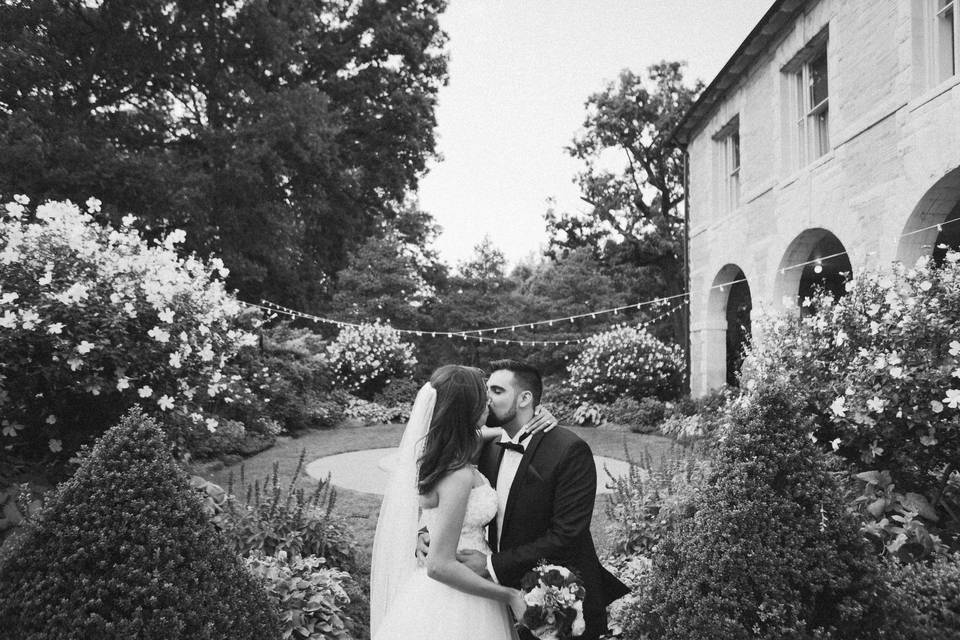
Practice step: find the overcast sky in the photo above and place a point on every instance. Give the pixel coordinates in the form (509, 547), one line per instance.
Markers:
(520, 72)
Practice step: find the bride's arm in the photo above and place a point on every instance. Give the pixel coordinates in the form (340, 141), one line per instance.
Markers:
(454, 492)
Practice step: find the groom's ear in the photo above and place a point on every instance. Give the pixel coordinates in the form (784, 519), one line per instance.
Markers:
(526, 398)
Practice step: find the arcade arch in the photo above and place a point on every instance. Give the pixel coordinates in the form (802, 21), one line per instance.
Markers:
(728, 308)
(814, 258)
(934, 224)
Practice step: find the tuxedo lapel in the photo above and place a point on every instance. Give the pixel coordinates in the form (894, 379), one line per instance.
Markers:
(520, 478)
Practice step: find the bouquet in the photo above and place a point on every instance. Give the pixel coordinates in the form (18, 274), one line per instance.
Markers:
(554, 597)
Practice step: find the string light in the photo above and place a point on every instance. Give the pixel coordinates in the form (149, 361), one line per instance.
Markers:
(684, 300)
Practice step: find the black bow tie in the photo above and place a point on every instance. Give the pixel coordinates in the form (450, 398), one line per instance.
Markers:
(511, 446)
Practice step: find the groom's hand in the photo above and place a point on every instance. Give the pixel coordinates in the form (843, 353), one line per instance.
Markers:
(475, 560)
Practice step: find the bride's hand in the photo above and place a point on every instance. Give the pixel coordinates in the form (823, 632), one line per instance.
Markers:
(518, 605)
(542, 420)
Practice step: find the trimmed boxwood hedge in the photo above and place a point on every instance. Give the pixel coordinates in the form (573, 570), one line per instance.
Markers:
(925, 599)
(124, 550)
(770, 552)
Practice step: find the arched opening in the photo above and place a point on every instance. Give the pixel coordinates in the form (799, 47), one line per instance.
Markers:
(815, 259)
(948, 236)
(739, 306)
(934, 224)
(727, 330)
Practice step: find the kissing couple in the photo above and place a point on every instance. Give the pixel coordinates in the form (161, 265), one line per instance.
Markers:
(486, 505)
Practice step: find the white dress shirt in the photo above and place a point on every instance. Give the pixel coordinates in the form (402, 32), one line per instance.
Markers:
(509, 465)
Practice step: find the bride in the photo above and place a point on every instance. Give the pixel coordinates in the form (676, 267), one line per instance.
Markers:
(434, 476)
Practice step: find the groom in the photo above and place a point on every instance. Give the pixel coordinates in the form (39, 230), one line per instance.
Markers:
(546, 486)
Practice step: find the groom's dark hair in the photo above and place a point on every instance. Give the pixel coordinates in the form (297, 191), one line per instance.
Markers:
(527, 376)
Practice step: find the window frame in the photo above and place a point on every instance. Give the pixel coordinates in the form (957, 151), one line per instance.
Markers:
(810, 122)
(731, 159)
(943, 50)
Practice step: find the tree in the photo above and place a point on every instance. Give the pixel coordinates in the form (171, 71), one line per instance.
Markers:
(391, 276)
(636, 221)
(477, 295)
(277, 133)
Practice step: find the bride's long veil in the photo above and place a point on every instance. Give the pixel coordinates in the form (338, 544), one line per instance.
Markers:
(394, 543)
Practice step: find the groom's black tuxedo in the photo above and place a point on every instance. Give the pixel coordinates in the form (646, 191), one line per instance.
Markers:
(547, 517)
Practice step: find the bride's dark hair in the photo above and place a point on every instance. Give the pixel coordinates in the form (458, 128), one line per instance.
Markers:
(452, 438)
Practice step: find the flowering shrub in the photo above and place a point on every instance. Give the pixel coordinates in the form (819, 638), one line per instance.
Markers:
(626, 361)
(881, 369)
(95, 319)
(307, 594)
(363, 358)
(291, 379)
(370, 413)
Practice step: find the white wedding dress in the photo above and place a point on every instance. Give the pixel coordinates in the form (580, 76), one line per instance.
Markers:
(425, 609)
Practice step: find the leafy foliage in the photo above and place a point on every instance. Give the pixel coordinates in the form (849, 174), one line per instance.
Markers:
(771, 551)
(924, 598)
(647, 504)
(308, 595)
(635, 223)
(250, 124)
(879, 367)
(94, 319)
(123, 549)
(626, 361)
(266, 517)
(389, 278)
(589, 414)
(291, 379)
(642, 416)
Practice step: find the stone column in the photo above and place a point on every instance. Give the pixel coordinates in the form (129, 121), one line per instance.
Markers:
(709, 356)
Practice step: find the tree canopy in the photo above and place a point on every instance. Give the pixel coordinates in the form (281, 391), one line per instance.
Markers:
(636, 220)
(277, 133)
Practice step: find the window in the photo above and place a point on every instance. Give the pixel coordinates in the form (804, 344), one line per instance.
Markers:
(731, 154)
(728, 141)
(806, 104)
(943, 39)
(813, 107)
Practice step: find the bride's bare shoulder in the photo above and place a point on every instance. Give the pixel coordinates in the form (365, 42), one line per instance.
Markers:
(455, 482)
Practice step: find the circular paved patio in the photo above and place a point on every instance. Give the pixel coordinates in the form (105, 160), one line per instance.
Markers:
(368, 470)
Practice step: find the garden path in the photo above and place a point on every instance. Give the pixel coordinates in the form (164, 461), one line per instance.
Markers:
(368, 470)
(362, 508)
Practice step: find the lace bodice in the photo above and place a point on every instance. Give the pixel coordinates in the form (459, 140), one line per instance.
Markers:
(481, 509)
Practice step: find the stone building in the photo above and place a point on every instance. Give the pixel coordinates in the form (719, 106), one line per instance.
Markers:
(827, 144)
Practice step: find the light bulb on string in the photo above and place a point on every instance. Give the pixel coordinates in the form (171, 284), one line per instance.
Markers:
(818, 267)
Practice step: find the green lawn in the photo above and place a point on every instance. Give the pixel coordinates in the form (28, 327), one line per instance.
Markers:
(363, 508)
